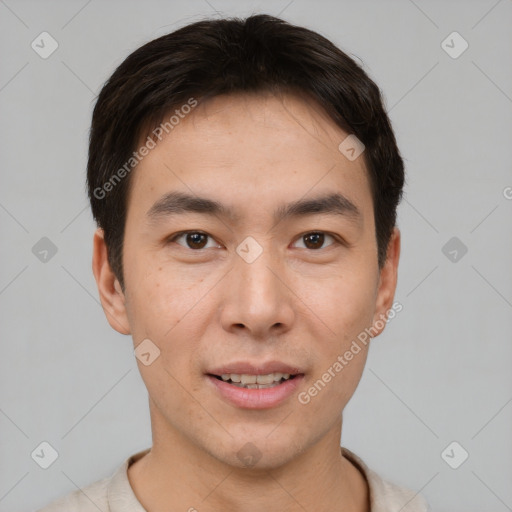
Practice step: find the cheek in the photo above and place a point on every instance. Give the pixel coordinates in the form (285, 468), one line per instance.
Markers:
(327, 393)
(343, 308)
(170, 311)
(160, 310)
(158, 299)
(344, 302)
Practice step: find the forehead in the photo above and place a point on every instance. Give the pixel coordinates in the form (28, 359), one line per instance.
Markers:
(254, 149)
(277, 120)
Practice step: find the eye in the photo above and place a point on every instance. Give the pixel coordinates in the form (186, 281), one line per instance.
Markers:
(315, 239)
(197, 240)
(194, 239)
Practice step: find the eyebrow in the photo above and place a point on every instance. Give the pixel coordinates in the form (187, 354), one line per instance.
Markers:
(176, 203)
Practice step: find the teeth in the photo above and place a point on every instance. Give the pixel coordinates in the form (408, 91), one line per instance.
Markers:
(255, 381)
(255, 386)
(248, 379)
(265, 379)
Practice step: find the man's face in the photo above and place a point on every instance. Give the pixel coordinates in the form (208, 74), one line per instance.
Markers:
(250, 287)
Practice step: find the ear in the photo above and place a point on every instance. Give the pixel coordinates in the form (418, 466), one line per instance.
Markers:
(112, 297)
(387, 284)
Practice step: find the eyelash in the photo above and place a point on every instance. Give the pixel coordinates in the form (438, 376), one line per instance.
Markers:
(336, 239)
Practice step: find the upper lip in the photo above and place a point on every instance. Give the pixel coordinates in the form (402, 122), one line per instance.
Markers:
(248, 368)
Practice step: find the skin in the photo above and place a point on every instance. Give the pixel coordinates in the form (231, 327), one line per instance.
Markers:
(206, 307)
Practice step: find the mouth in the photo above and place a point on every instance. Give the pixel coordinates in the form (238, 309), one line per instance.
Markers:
(248, 381)
(258, 385)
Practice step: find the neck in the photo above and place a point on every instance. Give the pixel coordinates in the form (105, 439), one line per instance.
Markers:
(178, 475)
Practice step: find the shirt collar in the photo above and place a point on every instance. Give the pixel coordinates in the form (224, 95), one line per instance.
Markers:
(120, 495)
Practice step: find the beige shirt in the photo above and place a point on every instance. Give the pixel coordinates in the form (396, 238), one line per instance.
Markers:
(114, 493)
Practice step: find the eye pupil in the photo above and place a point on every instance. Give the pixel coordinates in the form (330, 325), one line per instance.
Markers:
(194, 239)
(317, 239)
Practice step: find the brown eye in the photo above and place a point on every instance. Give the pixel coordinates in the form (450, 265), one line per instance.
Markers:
(196, 240)
(193, 239)
(314, 240)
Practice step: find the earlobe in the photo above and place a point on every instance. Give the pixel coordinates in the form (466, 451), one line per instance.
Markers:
(111, 296)
(387, 284)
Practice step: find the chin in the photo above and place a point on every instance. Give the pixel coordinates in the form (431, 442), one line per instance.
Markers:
(258, 451)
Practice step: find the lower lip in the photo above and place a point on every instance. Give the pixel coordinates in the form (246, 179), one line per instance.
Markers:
(256, 398)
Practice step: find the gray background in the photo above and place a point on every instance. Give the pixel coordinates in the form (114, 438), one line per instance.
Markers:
(441, 370)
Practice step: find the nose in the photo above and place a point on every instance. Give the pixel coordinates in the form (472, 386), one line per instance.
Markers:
(258, 298)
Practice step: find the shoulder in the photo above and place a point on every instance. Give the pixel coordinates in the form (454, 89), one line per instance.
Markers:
(389, 496)
(110, 494)
(89, 499)
(386, 496)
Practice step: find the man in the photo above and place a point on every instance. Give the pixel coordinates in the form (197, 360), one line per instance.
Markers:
(245, 177)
